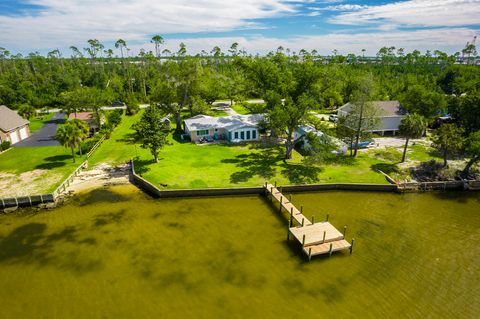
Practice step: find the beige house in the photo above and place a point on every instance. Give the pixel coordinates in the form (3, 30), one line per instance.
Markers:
(390, 113)
(13, 127)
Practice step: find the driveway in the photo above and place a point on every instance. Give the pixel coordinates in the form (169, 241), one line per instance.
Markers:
(44, 136)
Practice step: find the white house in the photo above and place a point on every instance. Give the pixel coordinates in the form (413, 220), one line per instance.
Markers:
(391, 114)
(13, 127)
(233, 128)
(303, 130)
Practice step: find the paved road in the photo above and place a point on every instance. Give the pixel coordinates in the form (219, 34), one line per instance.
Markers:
(44, 136)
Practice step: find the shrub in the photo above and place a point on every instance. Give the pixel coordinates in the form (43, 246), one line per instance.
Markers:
(114, 118)
(5, 145)
(132, 106)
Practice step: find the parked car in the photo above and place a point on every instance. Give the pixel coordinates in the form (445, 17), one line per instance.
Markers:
(118, 103)
(363, 144)
(333, 118)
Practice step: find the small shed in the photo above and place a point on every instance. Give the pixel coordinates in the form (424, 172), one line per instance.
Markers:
(13, 127)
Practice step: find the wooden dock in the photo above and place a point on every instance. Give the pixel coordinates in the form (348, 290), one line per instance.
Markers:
(316, 238)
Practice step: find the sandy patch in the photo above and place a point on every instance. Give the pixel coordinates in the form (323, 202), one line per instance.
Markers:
(99, 176)
(29, 183)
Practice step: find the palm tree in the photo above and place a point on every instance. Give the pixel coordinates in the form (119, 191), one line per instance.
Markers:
(412, 126)
(68, 135)
(84, 129)
(120, 44)
(157, 40)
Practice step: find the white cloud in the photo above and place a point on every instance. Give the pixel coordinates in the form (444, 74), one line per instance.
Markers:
(345, 7)
(416, 13)
(450, 40)
(65, 22)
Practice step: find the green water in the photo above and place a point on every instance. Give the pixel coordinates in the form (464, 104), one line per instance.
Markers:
(117, 253)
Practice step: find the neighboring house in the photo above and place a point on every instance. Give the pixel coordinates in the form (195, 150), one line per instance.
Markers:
(235, 128)
(391, 114)
(88, 117)
(13, 127)
(301, 136)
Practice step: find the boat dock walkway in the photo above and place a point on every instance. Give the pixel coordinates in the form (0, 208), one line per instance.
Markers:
(316, 238)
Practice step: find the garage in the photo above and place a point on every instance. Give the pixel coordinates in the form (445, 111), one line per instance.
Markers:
(23, 133)
(14, 137)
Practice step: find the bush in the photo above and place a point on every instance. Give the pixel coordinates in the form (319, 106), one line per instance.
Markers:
(5, 145)
(89, 143)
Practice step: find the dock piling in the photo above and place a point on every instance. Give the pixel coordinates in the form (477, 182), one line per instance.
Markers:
(301, 210)
(344, 231)
(303, 240)
(290, 223)
(288, 233)
(309, 253)
(351, 247)
(281, 200)
(303, 221)
(331, 250)
(324, 235)
(328, 216)
(313, 220)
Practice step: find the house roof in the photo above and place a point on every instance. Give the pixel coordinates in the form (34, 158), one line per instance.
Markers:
(10, 120)
(205, 122)
(84, 116)
(390, 108)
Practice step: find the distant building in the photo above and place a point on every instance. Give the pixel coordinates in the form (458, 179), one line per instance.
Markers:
(235, 128)
(13, 127)
(391, 114)
(87, 117)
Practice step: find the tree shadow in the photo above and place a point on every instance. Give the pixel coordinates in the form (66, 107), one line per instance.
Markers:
(30, 244)
(142, 166)
(50, 165)
(102, 195)
(301, 174)
(128, 138)
(262, 163)
(57, 158)
(387, 168)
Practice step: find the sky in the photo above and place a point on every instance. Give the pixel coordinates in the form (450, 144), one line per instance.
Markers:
(258, 26)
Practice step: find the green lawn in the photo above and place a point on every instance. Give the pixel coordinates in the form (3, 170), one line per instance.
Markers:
(240, 109)
(186, 165)
(37, 123)
(32, 170)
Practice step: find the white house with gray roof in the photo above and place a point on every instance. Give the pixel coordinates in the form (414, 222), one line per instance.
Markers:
(390, 113)
(234, 128)
(13, 127)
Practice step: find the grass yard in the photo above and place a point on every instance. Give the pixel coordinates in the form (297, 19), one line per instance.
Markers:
(37, 123)
(186, 165)
(240, 109)
(34, 170)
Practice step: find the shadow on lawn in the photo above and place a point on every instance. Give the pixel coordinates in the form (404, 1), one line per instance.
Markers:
(264, 164)
(54, 162)
(142, 166)
(387, 168)
(260, 163)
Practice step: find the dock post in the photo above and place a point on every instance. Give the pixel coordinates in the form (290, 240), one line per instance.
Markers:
(313, 220)
(288, 233)
(303, 221)
(309, 253)
(331, 250)
(290, 198)
(351, 246)
(344, 231)
(324, 234)
(303, 240)
(281, 199)
(290, 223)
(328, 216)
(301, 210)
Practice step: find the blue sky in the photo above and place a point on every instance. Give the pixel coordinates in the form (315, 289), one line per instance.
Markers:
(257, 25)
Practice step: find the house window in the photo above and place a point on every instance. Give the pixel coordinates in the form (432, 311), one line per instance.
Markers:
(248, 135)
(242, 135)
(202, 132)
(216, 130)
(254, 135)
(236, 134)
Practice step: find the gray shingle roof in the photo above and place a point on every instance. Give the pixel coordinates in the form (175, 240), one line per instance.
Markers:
(205, 122)
(390, 108)
(10, 120)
